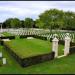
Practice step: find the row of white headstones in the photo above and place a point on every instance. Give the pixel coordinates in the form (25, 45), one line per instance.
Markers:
(66, 47)
(28, 32)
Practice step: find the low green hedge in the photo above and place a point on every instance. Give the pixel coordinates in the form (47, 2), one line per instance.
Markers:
(40, 37)
(35, 36)
(72, 44)
(24, 62)
(1, 42)
(61, 42)
(25, 36)
(12, 53)
(37, 59)
(7, 37)
(72, 50)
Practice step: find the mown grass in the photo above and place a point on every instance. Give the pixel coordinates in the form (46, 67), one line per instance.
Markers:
(65, 65)
(31, 47)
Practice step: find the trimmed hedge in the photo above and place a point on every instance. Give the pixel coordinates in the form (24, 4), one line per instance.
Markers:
(15, 56)
(72, 44)
(40, 37)
(1, 42)
(72, 50)
(51, 39)
(7, 37)
(37, 59)
(35, 36)
(25, 36)
(30, 60)
(61, 42)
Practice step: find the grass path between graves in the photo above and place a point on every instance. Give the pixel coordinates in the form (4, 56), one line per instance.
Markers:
(63, 65)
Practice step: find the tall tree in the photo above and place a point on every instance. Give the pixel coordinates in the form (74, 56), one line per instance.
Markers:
(51, 19)
(56, 19)
(22, 24)
(28, 22)
(12, 23)
(7, 23)
(15, 23)
(69, 20)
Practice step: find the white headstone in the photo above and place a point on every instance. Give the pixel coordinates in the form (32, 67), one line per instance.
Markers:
(30, 38)
(6, 40)
(67, 34)
(4, 60)
(55, 46)
(55, 35)
(0, 54)
(73, 38)
(67, 45)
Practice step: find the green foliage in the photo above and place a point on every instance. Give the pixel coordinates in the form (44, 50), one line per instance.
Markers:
(56, 19)
(8, 22)
(22, 24)
(28, 22)
(12, 23)
(69, 20)
(39, 23)
(15, 23)
(50, 18)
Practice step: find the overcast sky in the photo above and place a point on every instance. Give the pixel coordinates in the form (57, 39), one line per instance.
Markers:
(22, 9)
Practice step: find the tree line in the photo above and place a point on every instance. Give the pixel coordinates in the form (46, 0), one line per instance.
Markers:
(51, 19)
(16, 23)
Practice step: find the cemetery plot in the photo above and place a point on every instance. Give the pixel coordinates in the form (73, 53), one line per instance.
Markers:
(26, 48)
(30, 51)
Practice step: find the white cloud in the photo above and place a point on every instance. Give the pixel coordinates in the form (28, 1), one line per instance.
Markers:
(24, 9)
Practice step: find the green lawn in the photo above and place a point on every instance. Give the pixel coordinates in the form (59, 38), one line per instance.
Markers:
(31, 47)
(57, 66)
